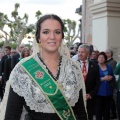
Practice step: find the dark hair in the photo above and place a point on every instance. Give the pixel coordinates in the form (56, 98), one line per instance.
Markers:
(8, 47)
(42, 19)
(103, 53)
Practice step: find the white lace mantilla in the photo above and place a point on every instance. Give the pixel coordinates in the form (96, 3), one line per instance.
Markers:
(70, 77)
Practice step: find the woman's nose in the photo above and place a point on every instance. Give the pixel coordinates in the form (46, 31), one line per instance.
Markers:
(52, 35)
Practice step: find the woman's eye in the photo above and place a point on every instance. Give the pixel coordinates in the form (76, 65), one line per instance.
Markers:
(58, 32)
(45, 32)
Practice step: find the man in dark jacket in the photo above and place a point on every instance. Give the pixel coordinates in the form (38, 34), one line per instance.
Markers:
(6, 56)
(91, 78)
(15, 58)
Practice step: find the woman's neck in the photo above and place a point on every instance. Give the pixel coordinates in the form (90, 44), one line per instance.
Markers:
(102, 66)
(50, 56)
(51, 60)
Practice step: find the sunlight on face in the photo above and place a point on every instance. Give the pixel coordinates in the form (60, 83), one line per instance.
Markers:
(50, 35)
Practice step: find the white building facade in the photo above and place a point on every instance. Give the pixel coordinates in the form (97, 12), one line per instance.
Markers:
(101, 24)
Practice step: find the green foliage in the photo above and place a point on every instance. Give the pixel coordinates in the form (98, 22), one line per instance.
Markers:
(71, 32)
(13, 45)
(19, 27)
(17, 5)
(1, 44)
(14, 13)
(37, 14)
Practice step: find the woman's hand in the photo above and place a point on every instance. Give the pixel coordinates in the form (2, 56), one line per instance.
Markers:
(106, 78)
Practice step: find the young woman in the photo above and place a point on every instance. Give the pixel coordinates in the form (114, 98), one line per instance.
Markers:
(49, 85)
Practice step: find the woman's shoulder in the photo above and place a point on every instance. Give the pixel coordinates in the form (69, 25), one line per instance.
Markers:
(71, 61)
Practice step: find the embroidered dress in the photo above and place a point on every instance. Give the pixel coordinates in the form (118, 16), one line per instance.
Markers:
(69, 77)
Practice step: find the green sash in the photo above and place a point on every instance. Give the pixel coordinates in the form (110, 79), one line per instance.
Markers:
(49, 88)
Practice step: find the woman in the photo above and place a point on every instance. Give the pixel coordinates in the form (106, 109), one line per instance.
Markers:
(105, 91)
(24, 53)
(117, 72)
(48, 84)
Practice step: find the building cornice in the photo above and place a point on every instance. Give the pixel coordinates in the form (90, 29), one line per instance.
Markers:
(109, 8)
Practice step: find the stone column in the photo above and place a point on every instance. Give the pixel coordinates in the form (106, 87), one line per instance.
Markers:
(106, 25)
(86, 22)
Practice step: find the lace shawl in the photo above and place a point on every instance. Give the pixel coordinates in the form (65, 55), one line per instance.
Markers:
(70, 77)
(24, 86)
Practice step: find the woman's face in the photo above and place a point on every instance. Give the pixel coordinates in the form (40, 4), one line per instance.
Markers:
(101, 59)
(26, 53)
(50, 35)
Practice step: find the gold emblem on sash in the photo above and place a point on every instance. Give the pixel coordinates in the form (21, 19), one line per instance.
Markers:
(50, 87)
(66, 114)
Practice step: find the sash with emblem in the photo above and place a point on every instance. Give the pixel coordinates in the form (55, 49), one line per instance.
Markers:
(50, 89)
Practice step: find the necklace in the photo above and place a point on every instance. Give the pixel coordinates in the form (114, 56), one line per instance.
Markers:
(54, 65)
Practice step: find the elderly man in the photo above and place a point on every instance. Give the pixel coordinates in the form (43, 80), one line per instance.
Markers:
(113, 63)
(91, 76)
(110, 59)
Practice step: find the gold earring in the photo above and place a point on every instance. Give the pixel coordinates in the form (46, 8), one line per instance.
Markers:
(39, 44)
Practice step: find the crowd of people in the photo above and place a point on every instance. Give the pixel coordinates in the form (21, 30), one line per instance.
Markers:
(51, 82)
(107, 96)
(8, 59)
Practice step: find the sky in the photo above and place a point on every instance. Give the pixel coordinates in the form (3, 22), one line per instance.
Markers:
(63, 8)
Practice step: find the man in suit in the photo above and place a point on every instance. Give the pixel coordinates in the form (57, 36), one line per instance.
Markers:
(7, 65)
(6, 56)
(91, 78)
(15, 58)
(113, 63)
(1, 90)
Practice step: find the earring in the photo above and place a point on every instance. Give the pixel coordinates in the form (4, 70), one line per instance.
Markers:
(39, 44)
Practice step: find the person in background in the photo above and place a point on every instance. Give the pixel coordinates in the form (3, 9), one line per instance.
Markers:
(75, 57)
(15, 58)
(46, 78)
(91, 77)
(1, 89)
(105, 92)
(7, 66)
(117, 72)
(24, 53)
(110, 59)
(113, 63)
(6, 56)
(93, 57)
(1, 54)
